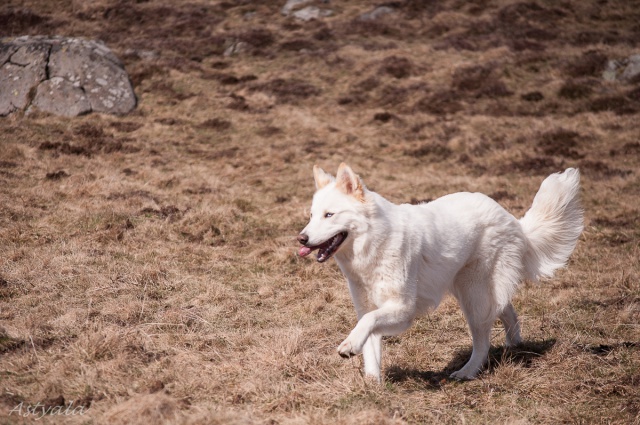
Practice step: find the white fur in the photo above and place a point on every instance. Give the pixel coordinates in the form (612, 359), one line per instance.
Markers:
(401, 260)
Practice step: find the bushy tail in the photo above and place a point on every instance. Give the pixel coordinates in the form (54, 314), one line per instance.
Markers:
(553, 224)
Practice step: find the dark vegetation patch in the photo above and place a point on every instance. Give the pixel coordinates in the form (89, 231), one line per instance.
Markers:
(372, 28)
(298, 44)
(259, 38)
(289, 90)
(367, 84)
(537, 165)
(141, 71)
(169, 211)
(22, 21)
(314, 146)
(528, 25)
(323, 34)
(125, 126)
(534, 26)
(222, 78)
(480, 35)
(89, 131)
(4, 293)
(132, 194)
(183, 31)
(534, 96)
(634, 94)
(349, 100)
(89, 140)
(599, 169)
(231, 152)
(416, 201)
(9, 344)
(617, 230)
(397, 67)
(432, 150)
(216, 124)
(391, 95)
(585, 38)
(170, 121)
(8, 164)
(439, 103)
(577, 89)
(479, 81)
(523, 26)
(624, 221)
(219, 65)
(168, 90)
(560, 142)
(360, 92)
(269, 131)
(501, 195)
(202, 190)
(619, 104)
(57, 175)
(589, 64)
(418, 8)
(631, 148)
(384, 117)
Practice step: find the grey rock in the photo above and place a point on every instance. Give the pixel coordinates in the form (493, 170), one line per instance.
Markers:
(6, 50)
(30, 54)
(23, 71)
(311, 12)
(236, 47)
(60, 97)
(94, 68)
(142, 54)
(610, 72)
(376, 13)
(623, 70)
(84, 76)
(293, 4)
(632, 70)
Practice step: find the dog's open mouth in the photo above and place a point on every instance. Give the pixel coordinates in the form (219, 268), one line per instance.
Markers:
(325, 249)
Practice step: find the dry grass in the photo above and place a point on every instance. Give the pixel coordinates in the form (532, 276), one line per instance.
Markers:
(147, 263)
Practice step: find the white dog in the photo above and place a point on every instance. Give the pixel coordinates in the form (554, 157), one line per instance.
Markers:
(400, 260)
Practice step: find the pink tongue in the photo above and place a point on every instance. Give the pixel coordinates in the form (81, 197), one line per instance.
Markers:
(304, 251)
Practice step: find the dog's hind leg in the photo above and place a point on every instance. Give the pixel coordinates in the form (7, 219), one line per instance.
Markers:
(511, 324)
(372, 353)
(481, 333)
(478, 308)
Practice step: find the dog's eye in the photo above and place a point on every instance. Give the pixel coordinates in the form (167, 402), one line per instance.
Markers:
(327, 215)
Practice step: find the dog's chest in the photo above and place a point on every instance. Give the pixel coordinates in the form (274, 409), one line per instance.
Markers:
(373, 284)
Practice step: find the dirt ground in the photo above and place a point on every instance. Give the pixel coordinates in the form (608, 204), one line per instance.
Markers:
(148, 268)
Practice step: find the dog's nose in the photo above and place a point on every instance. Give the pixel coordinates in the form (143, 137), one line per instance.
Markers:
(303, 239)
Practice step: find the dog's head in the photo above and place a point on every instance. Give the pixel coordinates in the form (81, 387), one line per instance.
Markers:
(336, 212)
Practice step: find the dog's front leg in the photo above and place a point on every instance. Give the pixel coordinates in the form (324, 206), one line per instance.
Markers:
(372, 353)
(390, 319)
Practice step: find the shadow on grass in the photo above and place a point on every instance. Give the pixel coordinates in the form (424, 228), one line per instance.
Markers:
(524, 355)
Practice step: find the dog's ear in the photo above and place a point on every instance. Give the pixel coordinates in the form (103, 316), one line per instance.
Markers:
(349, 182)
(321, 177)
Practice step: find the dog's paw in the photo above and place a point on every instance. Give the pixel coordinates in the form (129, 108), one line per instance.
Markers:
(347, 350)
(462, 375)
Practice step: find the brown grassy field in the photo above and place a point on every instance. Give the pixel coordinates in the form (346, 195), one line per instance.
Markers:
(147, 262)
